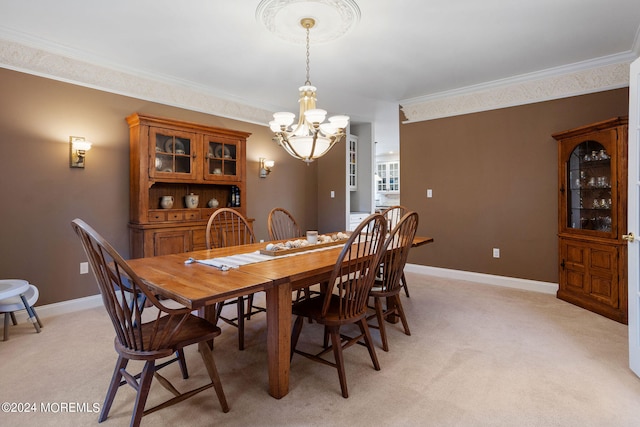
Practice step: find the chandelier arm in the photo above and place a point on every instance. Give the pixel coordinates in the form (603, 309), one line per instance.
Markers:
(313, 144)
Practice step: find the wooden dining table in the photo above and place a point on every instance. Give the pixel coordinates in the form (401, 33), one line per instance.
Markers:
(200, 286)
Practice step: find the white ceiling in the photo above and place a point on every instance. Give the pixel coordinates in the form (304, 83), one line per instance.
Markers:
(399, 50)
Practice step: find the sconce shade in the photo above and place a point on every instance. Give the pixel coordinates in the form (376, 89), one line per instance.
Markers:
(78, 147)
(265, 167)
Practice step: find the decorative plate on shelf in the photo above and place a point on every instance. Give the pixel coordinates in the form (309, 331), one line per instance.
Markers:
(171, 147)
(218, 152)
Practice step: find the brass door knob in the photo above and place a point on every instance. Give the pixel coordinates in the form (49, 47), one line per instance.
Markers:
(629, 237)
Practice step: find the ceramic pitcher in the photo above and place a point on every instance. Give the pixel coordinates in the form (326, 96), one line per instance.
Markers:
(166, 202)
(191, 200)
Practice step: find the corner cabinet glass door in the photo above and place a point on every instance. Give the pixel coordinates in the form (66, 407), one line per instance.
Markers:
(172, 154)
(223, 160)
(590, 203)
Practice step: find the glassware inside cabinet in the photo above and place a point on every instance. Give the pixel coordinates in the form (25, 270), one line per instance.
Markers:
(589, 187)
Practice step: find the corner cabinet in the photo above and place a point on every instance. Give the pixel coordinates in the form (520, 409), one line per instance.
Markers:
(592, 203)
(180, 173)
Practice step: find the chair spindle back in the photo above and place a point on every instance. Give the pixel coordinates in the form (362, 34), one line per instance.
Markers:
(226, 227)
(356, 268)
(282, 225)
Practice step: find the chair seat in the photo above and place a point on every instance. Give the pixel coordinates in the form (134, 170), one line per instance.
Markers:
(193, 330)
(312, 308)
(15, 303)
(382, 292)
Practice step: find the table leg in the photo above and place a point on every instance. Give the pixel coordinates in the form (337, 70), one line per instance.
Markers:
(279, 338)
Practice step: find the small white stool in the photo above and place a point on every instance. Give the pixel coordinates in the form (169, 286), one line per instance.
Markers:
(16, 295)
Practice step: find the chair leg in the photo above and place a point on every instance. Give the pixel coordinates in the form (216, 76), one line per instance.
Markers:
(249, 306)
(113, 388)
(325, 342)
(295, 334)
(336, 342)
(143, 392)
(218, 311)
(241, 323)
(183, 363)
(6, 327)
(403, 318)
(364, 328)
(13, 318)
(404, 285)
(209, 363)
(381, 327)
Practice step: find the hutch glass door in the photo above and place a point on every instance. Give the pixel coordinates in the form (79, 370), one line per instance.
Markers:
(589, 200)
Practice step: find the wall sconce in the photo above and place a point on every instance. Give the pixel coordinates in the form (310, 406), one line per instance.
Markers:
(265, 167)
(77, 151)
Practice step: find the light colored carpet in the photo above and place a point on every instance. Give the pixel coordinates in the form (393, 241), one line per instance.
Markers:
(478, 356)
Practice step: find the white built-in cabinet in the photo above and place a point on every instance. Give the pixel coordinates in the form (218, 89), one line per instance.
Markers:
(352, 162)
(389, 177)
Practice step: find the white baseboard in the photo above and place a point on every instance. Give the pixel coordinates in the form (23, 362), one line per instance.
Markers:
(78, 304)
(63, 307)
(488, 279)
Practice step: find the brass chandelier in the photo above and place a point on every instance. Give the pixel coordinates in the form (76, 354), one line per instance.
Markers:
(309, 138)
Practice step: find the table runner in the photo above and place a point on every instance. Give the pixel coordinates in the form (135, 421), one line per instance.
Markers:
(235, 261)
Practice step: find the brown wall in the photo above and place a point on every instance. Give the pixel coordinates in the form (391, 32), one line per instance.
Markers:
(40, 194)
(494, 181)
(493, 175)
(332, 172)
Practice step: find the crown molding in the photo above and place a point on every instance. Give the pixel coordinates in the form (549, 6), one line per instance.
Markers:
(64, 67)
(576, 79)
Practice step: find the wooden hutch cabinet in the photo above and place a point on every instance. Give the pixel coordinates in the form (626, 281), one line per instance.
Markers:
(592, 203)
(173, 160)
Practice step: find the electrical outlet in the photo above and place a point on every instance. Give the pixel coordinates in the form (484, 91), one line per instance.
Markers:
(496, 252)
(333, 194)
(429, 193)
(84, 267)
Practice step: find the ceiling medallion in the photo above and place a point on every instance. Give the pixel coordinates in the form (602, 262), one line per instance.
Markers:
(333, 18)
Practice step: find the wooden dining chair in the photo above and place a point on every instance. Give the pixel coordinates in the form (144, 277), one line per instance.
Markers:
(282, 225)
(389, 284)
(393, 215)
(227, 227)
(344, 299)
(168, 332)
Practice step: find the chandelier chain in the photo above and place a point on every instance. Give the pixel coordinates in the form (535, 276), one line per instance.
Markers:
(308, 82)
